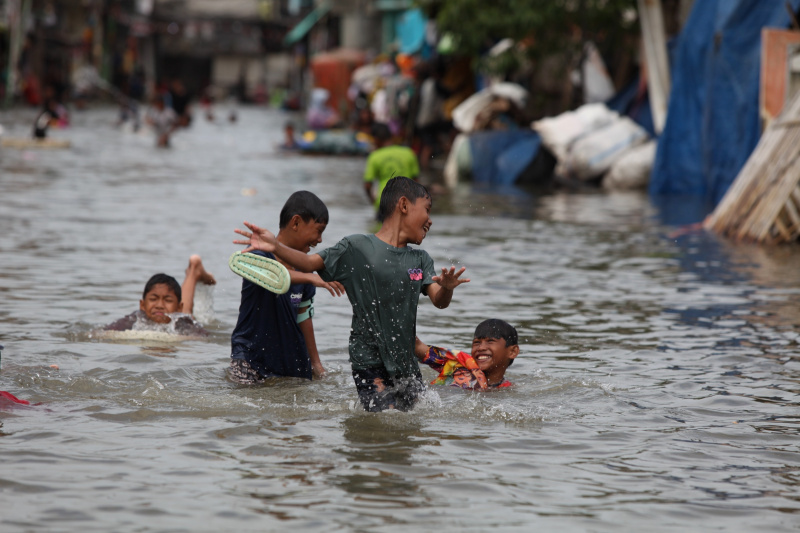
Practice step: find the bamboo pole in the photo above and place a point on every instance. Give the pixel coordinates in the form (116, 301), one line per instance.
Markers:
(651, 19)
(14, 10)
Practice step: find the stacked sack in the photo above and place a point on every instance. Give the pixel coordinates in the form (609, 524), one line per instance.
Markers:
(593, 142)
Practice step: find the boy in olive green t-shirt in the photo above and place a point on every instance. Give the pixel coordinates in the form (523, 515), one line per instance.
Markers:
(383, 279)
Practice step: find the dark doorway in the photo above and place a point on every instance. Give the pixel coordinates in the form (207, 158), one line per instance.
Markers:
(194, 72)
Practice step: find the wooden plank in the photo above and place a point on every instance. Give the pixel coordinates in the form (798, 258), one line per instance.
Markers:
(783, 234)
(772, 93)
(786, 123)
(744, 191)
(774, 199)
(22, 142)
(796, 195)
(763, 203)
(792, 213)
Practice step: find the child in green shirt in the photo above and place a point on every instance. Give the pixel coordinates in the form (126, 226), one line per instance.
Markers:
(386, 162)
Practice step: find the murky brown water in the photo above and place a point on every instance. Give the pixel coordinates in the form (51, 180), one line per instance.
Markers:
(657, 388)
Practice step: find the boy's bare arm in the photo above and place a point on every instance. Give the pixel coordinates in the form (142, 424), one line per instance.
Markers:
(195, 273)
(310, 278)
(263, 239)
(368, 190)
(307, 328)
(420, 349)
(441, 291)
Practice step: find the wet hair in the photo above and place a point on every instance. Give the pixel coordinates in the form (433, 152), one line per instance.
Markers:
(494, 328)
(307, 205)
(381, 132)
(397, 188)
(169, 281)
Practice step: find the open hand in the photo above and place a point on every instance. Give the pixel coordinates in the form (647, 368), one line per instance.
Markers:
(333, 287)
(256, 239)
(450, 278)
(318, 371)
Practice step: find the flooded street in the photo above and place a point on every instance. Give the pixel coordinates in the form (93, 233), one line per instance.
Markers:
(656, 388)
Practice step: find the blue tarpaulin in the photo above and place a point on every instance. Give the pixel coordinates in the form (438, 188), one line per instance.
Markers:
(499, 157)
(635, 105)
(713, 121)
(411, 31)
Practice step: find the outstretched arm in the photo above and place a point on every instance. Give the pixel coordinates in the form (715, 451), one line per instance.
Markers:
(441, 290)
(333, 287)
(420, 349)
(195, 273)
(262, 239)
(433, 356)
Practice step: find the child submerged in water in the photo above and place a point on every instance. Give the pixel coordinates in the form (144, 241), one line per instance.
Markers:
(163, 120)
(383, 278)
(52, 114)
(164, 302)
(495, 345)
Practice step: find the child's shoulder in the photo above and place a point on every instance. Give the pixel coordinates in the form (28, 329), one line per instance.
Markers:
(186, 325)
(345, 245)
(125, 323)
(420, 253)
(357, 239)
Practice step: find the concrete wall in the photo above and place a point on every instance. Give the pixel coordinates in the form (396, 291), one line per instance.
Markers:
(360, 30)
(240, 9)
(273, 70)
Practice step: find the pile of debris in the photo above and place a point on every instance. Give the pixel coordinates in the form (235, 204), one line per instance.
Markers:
(763, 203)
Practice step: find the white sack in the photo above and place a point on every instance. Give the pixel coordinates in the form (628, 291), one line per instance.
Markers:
(459, 161)
(515, 93)
(597, 84)
(632, 169)
(592, 155)
(559, 132)
(466, 112)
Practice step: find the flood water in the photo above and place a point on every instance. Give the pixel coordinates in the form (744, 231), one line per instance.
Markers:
(656, 390)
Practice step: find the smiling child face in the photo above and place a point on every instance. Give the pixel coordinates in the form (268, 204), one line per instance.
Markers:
(302, 235)
(160, 301)
(309, 234)
(419, 219)
(493, 356)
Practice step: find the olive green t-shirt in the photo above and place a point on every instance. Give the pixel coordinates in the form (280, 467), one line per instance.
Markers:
(388, 162)
(383, 284)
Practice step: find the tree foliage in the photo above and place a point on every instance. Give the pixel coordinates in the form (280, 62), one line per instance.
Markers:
(546, 25)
